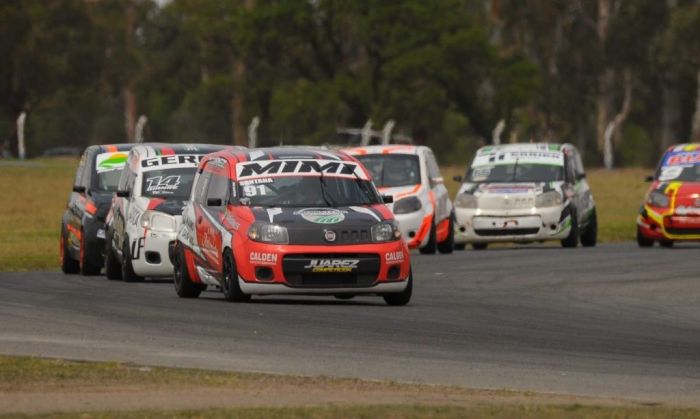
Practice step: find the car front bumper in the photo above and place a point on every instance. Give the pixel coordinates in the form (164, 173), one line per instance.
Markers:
(473, 225)
(668, 226)
(152, 256)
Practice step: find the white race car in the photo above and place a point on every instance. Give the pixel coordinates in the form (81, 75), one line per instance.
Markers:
(421, 203)
(525, 193)
(147, 208)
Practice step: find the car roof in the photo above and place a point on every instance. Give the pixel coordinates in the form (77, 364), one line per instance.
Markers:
(684, 147)
(111, 148)
(524, 147)
(283, 153)
(385, 149)
(146, 150)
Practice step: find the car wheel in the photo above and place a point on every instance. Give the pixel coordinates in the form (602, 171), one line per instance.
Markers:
(448, 245)
(88, 255)
(460, 246)
(429, 248)
(642, 240)
(229, 280)
(113, 269)
(479, 246)
(184, 286)
(590, 236)
(401, 298)
(68, 264)
(572, 239)
(666, 243)
(128, 274)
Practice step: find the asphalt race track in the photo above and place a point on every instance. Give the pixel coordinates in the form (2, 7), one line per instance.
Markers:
(614, 320)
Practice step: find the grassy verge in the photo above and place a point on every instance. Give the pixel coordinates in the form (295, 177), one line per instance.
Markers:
(60, 388)
(34, 198)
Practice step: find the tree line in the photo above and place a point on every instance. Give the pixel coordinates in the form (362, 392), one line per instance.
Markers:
(615, 75)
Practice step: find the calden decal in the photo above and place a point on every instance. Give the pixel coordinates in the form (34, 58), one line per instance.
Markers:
(332, 265)
(321, 215)
(262, 258)
(394, 256)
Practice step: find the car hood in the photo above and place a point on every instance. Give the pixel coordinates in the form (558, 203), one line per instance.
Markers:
(315, 225)
(509, 195)
(686, 196)
(170, 206)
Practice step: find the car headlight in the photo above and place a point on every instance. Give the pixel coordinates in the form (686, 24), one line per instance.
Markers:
(385, 232)
(158, 221)
(265, 232)
(548, 199)
(658, 199)
(407, 205)
(466, 200)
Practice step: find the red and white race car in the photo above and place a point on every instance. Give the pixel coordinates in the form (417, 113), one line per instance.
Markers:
(671, 209)
(421, 202)
(289, 221)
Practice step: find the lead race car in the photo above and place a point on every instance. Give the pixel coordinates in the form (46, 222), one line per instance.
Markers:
(525, 193)
(671, 210)
(422, 205)
(289, 221)
(146, 211)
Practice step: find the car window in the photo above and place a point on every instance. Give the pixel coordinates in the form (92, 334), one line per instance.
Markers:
(390, 170)
(81, 167)
(200, 189)
(108, 169)
(433, 170)
(173, 183)
(218, 188)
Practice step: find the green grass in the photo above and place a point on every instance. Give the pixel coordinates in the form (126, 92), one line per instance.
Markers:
(35, 194)
(50, 380)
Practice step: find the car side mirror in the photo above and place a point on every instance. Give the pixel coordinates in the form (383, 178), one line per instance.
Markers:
(214, 202)
(649, 178)
(79, 189)
(123, 194)
(388, 199)
(580, 176)
(457, 178)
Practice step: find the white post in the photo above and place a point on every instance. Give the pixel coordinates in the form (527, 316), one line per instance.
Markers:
(21, 152)
(253, 132)
(140, 125)
(496, 135)
(386, 132)
(366, 133)
(608, 147)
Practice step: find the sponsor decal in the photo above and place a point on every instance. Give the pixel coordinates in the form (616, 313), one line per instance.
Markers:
(683, 210)
(110, 161)
(333, 265)
(270, 168)
(256, 181)
(162, 183)
(262, 258)
(329, 235)
(321, 215)
(134, 217)
(136, 246)
(394, 256)
(683, 157)
(182, 160)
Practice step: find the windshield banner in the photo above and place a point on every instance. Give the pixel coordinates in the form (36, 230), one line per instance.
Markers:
(555, 158)
(106, 162)
(682, 158)
(306, 167)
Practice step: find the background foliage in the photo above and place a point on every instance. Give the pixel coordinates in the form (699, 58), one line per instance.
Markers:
(446, 70)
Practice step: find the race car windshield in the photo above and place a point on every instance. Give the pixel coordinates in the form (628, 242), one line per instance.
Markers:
(391, 170)
(173, 183)
(107, 181)
(516, 172)
(681, 173)
(308, 191)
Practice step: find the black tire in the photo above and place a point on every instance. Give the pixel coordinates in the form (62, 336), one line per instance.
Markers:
(480, 246)
(448, 245)
(401, 298)
(666, 243)
(642, 241)
(89, 258)
(431, 246)
(460, 246)
(589, 238)
(113, 269)
(128, 274)
(571, 240)
(229, 280)
(68, 264)
(184, 286)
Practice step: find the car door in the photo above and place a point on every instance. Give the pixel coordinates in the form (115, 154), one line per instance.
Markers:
(437, 185)
(76, 204)
(202, 224)
(121, 206)
(573, 185)
(217, 198)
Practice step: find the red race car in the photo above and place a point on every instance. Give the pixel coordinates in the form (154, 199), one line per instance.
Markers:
(671, 210)
(289, 221)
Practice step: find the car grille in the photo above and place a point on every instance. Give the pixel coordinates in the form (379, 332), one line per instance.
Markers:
(342, 236)
(299, 275)
(683, 231)
(508, 232)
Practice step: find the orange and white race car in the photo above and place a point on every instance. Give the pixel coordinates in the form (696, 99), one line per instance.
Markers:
(421, 202)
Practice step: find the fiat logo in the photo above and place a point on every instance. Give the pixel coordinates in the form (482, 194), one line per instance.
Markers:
(329, 235)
